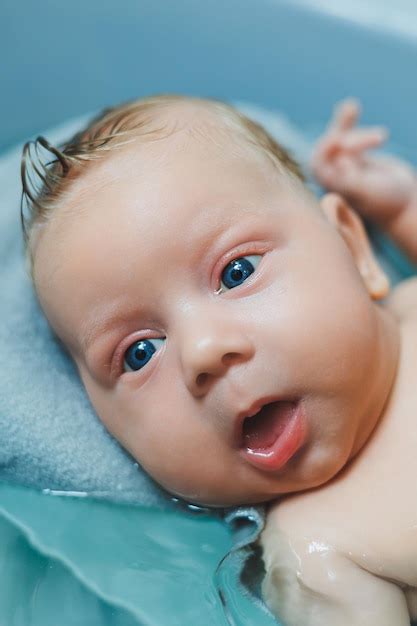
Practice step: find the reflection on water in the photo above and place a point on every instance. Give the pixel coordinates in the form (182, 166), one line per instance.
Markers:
(77, 560)
(37, 590)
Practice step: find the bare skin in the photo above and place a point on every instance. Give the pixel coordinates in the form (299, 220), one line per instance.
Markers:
(146, 237)
(346, 554)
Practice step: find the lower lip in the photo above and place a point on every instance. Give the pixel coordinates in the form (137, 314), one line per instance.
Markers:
(284, 447)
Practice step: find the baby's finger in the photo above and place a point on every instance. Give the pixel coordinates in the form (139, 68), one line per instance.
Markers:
(362, 139)
(345, 114)
(329, 145)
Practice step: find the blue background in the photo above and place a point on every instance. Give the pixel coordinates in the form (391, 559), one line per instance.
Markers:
(62, 59)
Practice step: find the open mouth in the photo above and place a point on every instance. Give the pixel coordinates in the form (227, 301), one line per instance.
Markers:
(273, 435)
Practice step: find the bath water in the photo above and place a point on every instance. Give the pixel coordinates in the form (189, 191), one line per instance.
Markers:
(78, 561)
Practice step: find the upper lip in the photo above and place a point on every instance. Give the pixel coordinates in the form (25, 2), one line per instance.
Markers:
(251, 410)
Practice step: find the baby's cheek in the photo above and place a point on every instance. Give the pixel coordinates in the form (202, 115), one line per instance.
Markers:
(176, 446)
(323, 342)
(112, 407)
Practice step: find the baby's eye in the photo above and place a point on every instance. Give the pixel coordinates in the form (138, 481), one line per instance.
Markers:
(238, 270)
(140, 353)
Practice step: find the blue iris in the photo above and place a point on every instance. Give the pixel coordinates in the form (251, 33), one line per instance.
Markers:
(238, 270)
(140, 353)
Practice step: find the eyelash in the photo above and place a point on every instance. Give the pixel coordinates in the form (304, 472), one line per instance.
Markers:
(255, 248)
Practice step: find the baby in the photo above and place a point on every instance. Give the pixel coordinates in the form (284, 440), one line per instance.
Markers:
(226, 326)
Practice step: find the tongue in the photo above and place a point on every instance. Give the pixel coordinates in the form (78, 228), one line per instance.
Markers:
(264, 428)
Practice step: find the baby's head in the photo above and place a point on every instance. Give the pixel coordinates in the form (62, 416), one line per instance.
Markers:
(222, 319)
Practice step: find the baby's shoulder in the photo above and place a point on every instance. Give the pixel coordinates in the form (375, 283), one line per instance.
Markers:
(315, 582)
(402, 301)
(305, 516)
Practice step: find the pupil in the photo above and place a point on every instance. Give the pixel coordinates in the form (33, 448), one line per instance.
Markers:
(140, 354)
(237, 274)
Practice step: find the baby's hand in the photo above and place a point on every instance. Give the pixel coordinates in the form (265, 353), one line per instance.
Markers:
(378, 187)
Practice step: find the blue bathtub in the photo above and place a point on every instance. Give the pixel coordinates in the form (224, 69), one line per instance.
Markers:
(59, 60)
(62, 59)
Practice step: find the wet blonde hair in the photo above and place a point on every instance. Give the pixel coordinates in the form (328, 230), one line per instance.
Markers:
(45, 183)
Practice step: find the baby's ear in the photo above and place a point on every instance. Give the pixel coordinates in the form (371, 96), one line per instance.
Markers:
(349, 225)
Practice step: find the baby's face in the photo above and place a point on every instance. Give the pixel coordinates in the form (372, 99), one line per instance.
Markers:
(193, 286)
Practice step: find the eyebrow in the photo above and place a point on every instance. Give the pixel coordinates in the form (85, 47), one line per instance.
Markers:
(102, 325)
(89, 336)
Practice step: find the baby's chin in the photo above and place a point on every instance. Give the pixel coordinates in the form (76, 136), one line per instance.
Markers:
(242, 496)
(228, 498)
(309, 468)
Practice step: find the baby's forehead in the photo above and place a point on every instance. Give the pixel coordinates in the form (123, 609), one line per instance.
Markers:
(202, 119)
(168, 196)
(173, 125)
(181, 137)
(190, 160)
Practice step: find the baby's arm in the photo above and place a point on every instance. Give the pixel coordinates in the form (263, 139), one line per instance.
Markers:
(380, 188)
(310, 584)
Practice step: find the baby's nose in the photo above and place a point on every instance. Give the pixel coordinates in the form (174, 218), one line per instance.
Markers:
(209, 352)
